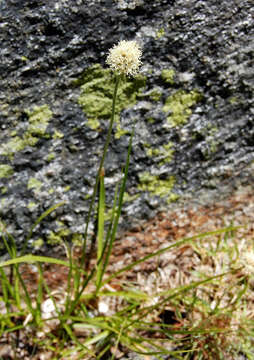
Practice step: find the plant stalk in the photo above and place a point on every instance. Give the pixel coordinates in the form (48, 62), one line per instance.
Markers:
(95, 190)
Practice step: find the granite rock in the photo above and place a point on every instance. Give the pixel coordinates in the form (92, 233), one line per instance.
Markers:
(192, 105)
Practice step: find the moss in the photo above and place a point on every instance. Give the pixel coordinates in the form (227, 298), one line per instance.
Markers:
(97, 85)
(6, 171)
(179, 104)
(164, 153)
(158, 187)
(168, 75)
(35, 184)
(38, 122)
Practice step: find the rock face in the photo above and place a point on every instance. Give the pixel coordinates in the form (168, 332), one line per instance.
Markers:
(192, 105)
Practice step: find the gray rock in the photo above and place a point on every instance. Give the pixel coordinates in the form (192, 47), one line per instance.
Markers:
(194, 112)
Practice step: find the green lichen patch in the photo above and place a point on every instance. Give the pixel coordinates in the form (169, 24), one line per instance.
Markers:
(24, 58)
(163, 154)
(3, 190)
(3, 202)
(38, 121)
(179, 105)
(150, 120)
(155, 94)
(158, 187)
(31, 205)
(51, 157)
(6, 171)
(160, 33)
(120, 132)
(56, 238)
(38, 118)
(97, 86)
(129, 198)
(34, 184)
(211, 129)
(58, 135)
(59, 236)
(168, 75)
(233, 100)
(14, 145)
(37, 244)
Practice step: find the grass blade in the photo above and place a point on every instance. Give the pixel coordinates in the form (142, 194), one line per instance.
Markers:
(40, 218)
(34, 259)
(161, 251)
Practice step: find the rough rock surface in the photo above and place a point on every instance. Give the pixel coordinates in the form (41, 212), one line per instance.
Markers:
(193, 103)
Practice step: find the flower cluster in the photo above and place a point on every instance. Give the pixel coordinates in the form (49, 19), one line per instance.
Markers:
(124, 58)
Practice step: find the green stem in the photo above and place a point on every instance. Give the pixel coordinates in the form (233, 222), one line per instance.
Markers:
(99, 171)
(100, 233)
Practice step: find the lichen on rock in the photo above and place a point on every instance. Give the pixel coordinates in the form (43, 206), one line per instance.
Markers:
(97, 86)
(34, 184)
(168, 75)
(179, 106)
(6, 171)
(158, 187)
(163, 154)
(38, 120)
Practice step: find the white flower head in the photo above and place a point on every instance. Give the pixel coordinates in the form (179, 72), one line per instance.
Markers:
(124, 58)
